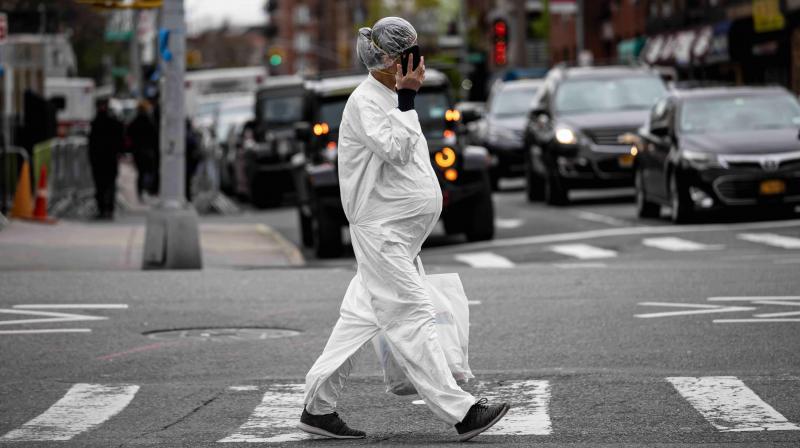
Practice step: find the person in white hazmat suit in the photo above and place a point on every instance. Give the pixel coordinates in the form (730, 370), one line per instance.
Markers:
(392, 199)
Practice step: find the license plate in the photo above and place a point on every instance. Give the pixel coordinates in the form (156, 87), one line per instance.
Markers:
(626, 161)
(771, 187)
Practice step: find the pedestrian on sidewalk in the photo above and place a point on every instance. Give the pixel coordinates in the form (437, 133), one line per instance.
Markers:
(106, 143)
(143, 135)
(392, 199)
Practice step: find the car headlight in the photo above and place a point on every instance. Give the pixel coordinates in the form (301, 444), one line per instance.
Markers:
(700, 159)
(566, 136)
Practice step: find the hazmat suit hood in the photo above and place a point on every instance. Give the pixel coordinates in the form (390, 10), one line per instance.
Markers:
(380, 45)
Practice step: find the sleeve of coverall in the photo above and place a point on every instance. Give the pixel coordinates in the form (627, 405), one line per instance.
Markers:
(391, 136)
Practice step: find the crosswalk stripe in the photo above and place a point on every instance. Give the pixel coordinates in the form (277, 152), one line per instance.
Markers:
(729, 405)
(675, 244)
(529, 413)
(83, 407)
(508, 223)
(275, 419)
(484, 260)
(771, 239)
(583, 251)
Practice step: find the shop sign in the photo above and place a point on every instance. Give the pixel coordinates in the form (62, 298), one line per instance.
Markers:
(767, 16)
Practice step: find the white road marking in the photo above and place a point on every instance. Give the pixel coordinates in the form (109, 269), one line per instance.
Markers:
(675, 244)
(782, 314)
(697, 308)
(622, 231)
(583, 251)
(749, 321)
(52, 317)
(753, 298)
(83, 407)
(418, 402)
(508, 223)
(771, 239)
(74, 306)
(484, 260)
(597, 217)
(729, 405)
(48, 330)
(243, 388)
(473, 302)
(275, 419)
(580, 265)
(529, 414)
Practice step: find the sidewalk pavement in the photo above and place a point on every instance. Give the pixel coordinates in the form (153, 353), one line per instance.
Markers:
(74, 245)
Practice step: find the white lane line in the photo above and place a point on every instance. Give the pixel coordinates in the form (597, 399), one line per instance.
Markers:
(83, 407)
(781, 314)
(729, 405)
(622, 231)
(275, 419)
(484, 260)
(418, 402)
(243, 388)
(529, 413)
(473, 302)
(753, 298)
(508, 223)
(73, 306)
(597, 217)
(751, 321)
(580, 265)
(695, 308)
(51, 317)
(675, 244)
(583, 251)
(48, 330)
(771, 239)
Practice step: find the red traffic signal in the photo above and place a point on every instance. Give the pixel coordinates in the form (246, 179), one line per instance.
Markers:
(500, 42)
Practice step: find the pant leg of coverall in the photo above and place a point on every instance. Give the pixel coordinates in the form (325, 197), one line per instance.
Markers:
(355, 327)
(405, 313)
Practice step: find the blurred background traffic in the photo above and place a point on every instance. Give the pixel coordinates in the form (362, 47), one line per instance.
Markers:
(689, 105)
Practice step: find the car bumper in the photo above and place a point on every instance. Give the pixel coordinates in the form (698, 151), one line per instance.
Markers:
(731, 188)
(595, 166)
(507, 160)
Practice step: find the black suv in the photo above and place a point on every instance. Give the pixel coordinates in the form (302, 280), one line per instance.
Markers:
(575, 131)
(280, 104)
(462, 170)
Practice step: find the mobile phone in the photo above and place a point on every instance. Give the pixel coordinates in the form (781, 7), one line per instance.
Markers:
(410, 51)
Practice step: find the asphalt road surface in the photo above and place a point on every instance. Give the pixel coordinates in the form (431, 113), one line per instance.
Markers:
(599, 328)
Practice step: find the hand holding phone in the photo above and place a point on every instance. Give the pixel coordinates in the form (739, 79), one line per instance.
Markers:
(412, 52)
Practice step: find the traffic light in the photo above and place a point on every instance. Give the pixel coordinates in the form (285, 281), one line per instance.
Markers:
(500, 42)
(275, 56)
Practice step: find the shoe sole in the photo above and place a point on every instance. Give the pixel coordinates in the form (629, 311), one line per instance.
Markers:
(468, 435)
(321, 432)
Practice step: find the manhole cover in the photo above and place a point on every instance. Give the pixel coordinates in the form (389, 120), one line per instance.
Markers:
(222, 334)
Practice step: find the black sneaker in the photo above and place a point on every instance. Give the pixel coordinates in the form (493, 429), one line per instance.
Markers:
(328, 425)
(480, 417)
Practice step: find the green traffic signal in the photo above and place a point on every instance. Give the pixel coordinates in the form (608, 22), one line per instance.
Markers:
(275, 59)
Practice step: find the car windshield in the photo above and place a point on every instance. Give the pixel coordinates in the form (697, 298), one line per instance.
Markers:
(599, 95)
(431, 108)
(331, 112)
(231, 116)
(740, 113)
(282, 110)
(513, 101)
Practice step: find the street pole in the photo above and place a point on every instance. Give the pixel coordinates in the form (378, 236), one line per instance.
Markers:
(464, 53)
(579, 39)
(134, 55)
(172, 240)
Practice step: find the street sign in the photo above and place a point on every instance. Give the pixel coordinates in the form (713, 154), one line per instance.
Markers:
(3, 27)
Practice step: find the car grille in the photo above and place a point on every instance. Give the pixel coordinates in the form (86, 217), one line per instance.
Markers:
(609, 136)
(612, 166)
(733, 189)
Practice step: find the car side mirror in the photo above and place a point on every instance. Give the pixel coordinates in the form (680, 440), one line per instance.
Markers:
(659, 131)
(302, 130)
(470, 115)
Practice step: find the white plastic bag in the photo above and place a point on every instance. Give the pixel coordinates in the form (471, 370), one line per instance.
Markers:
(452, 327)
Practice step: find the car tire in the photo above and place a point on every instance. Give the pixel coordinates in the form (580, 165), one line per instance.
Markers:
(644, 208)
(534, 186)
(327, 235)
(306, 228)
(682, 208)
(494, 180)
(480, 226)
(554, 191)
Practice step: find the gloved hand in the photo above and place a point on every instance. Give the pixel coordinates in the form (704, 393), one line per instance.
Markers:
(413, 78)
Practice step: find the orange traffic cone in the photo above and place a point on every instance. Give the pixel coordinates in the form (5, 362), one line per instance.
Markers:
(40, 208)
(23, 202)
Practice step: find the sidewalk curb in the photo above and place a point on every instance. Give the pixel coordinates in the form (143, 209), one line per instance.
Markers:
(289, 250)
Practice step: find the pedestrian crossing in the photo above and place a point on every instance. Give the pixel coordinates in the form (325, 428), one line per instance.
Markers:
(725, 403)
(598, 252)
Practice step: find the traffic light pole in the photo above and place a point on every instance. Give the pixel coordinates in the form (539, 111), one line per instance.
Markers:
(172, 240)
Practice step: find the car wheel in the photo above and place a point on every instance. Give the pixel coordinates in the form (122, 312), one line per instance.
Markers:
(306, 228)
(534, 187)
(682, 208)
(327, 235)
(480, 226)
(554, 191)
(644, 208)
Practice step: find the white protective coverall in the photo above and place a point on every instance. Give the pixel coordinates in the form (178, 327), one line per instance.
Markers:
(392, 199)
